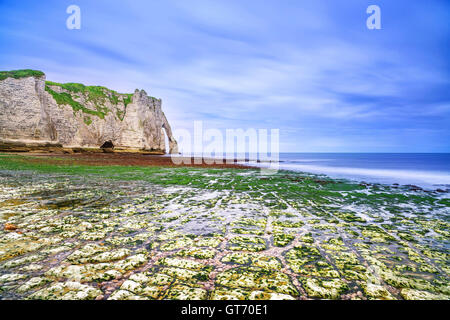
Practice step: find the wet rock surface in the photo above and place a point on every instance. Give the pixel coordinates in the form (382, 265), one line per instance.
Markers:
(223, 234)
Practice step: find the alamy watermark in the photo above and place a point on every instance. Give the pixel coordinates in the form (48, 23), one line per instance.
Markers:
(374, 20)
(74, 20)
(211, 146)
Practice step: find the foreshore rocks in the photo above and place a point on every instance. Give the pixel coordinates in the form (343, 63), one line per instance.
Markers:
(40, 115)
(125, 233)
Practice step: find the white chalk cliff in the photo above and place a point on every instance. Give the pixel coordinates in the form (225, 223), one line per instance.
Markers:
(33, 110)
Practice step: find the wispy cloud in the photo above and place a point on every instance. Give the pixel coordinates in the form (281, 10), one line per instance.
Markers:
(309, 68)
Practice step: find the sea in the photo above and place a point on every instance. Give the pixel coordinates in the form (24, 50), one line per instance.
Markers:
(426, 170)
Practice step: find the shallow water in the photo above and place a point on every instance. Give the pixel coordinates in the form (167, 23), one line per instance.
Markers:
(238, 236)
(427, 170)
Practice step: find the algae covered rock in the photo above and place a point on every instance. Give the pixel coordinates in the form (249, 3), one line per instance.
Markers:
(199, 253)
(247, 243)
(158, 233)
(256, 278)
(412, 294)
(252, 259)
(325, 289)
(282, 239)
(261, 295)
(67, 291)
(229, 294)
(183, 292)
(376, 291)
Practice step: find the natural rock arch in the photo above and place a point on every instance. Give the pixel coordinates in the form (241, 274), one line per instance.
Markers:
(107, 145)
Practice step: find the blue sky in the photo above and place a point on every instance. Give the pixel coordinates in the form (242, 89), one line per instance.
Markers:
(309, 68)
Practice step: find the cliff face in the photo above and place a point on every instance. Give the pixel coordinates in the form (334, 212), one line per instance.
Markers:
(33, 110)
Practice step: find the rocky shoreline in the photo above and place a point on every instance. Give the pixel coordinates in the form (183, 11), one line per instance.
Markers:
(102, 157)
(49, 148)
(74, 229)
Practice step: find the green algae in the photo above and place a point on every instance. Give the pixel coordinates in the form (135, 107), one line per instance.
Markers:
(67, 291)
(325, 289)
(199, 253)
(80, 230)
(252, 259)
(222, 293)
(287, 224)
(184, 292)
(257, 279)
(242, 243)
(282, 239)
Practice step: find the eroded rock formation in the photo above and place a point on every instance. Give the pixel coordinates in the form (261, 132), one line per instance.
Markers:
(34, 111)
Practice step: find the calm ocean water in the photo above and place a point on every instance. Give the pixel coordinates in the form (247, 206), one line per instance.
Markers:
(428, 170)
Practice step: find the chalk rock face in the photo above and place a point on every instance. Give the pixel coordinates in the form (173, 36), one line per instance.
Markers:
(33, 110)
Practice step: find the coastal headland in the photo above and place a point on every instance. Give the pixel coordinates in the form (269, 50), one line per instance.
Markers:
(38, 115)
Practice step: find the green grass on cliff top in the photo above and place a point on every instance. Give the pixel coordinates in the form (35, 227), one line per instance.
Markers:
(98, 95)
(65, 98)
(17, 74)
(95, 94)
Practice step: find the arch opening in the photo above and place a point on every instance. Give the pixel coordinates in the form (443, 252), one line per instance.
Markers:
(107, 145)
(166, 140)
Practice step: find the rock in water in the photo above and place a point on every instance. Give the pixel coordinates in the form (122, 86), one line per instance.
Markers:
(39, 113)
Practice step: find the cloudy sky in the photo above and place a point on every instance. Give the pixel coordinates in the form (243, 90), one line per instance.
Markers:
(309, 68)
